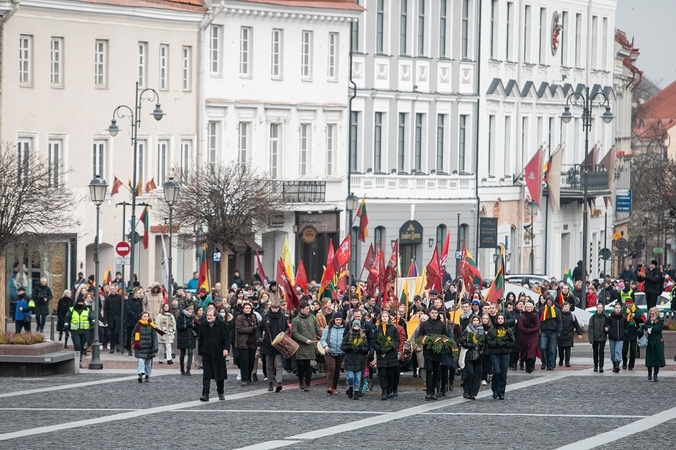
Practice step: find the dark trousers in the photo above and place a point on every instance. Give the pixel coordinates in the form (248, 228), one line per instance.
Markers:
(181, 358)
(20, 324)
(513, 359)
(651, 300)
(61, 333)
(114, 331)
(304, 371)
(206, 385)
(40, 321)
(246, 362)
(472, 377)
(433, 374)
(564, 355)
(447, 377)
(387, 377)
(486, 367)
(127, 336)
(629, 347)
(333, 364)
(79, 343)
(500, 366)
(598, 348)
(530, 364)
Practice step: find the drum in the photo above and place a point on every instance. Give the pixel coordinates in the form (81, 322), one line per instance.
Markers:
(285, 345)
(408, 351)
(320, 349)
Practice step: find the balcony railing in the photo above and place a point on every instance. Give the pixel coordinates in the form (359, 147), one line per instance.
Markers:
(572, 178)
(304, 191)
(415, 186)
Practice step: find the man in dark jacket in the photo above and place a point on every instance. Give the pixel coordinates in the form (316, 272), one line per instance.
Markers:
(42, 296)
(608, 294)
(112, 314)
(237, 279)
(273, 323)
(569, 325)
(628, 274)
(434, 325)
(654, 282)
(133, 307)
(212, 345)
(550, 330)
(579, 273)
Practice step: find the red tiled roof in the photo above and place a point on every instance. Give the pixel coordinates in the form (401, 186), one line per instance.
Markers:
(660, 114)
(318, 4)
(190, 5)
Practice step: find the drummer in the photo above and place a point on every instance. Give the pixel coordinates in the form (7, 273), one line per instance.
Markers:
(274, 322)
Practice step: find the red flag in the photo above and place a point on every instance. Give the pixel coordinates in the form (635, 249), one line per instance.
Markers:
(444, 250)
(329, 256)
(381, 266)
(290, 295)
(260, 271)
(327, 276)
(150, 185)
(301, 277)
(374, 275)
(391, 269)
(533, 176)
(433, 272)
(146, 227)
(342, 255)
(469, 271)
(203, 279)
(370, 259)
(117, 184)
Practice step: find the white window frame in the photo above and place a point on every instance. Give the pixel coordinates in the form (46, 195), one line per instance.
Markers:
(163, 69)
(440, 160)
(380, 26)
(26, 60)
(99, 157)
(213, 142)
(491, 153)
(141, 155)
(563, 37)
(306, 56)
(421, 22)
(443, 29)
(245, 52)
(274, 147)
(332, 64)
(142, 63)
(527, 19)
(24, 148)
(403, 25)
(465, 37)
(54, 155)
(509, 29)
(276, 52)
(378, 123)
(56, 61)
(494, 29)
(594, 42)
(101, 63)
(508, 145)
(419, 142)
(578, 40)
(243, 143)
(186, 154)
(215, 59)
(305, 148)
(542, 48)
(402, 119)
(186, 67)
(162, 161)
(462, 142)
(331, 136)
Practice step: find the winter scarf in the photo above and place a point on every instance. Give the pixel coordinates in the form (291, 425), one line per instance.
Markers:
(630, 312)
(548, 312)
(478, 330)
(466, 315)
(137, 331)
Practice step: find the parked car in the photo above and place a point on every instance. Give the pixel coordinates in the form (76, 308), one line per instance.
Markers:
(663, 304)
(528, 279)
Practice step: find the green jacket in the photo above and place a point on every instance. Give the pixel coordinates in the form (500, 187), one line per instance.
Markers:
(654, 352)
(304, 328)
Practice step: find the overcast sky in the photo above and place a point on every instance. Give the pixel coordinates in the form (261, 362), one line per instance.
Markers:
(651, 23)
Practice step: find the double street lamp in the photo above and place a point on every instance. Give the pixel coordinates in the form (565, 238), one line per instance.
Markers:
(97, 191)
(587, 101)
(171, 190)
(134, 115)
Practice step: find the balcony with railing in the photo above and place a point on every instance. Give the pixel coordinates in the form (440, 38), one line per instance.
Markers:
(417, 186)
(303, 191)
(572, 181)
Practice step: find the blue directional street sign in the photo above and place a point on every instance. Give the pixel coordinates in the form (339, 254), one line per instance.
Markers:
(623, 200)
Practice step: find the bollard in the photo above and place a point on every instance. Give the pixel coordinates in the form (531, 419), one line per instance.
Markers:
(51, 327)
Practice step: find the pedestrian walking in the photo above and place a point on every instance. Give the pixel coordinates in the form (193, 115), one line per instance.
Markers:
(433, 326)
(62, 308)
(42, 296)
(246, 327)
(616, 334)
(356, 347)
(529, 330)
(654, 354)
(633, 320)
(167, 323)
(385, 346)
(331, 342)
(186, 335)
(213, 344)
(274, 322)
(598, 334)
(145, 346)
(305, 331)
(473, 340)
(499, 340)
(22, 312)
(569, 326)
(78, 321)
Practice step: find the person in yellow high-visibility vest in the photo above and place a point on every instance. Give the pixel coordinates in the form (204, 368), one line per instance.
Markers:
(78, 321)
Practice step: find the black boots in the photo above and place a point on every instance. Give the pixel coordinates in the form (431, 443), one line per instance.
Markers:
(384, 395)
(205, 396)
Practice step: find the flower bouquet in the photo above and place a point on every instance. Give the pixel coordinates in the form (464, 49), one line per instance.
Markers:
(438, 343)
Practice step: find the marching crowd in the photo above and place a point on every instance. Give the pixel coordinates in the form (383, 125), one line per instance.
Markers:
(444, 335)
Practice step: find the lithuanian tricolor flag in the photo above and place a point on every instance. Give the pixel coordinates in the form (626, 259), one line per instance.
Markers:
(363, 220)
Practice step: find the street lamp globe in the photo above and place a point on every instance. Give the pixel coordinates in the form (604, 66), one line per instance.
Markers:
(608, 115)
(113, 129)
(352, 202)
(533, 208)
(157, 113)
(97, 189)
(171, 188)
(566, 116)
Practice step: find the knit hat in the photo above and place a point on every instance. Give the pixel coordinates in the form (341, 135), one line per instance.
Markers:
(476, 302)
(203, 291)
(356, 323)
(629, 301)
(338, 315)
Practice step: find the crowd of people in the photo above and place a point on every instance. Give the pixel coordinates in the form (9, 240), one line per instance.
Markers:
(436, 337)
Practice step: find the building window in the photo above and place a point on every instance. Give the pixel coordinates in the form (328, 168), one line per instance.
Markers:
(142, 63)
(141, 146)
(441, 237)
(441, 132)
(578, 39)
(213, 142)
(380, 26)
(333, 57)
(595, 47)
(604, 39)
(276, 54)
(508, 37)
(542, 49)
(186, 154)
(379, 237)
(56, 61)
(306, 55)
(354, 139)
(305, 150)
(354, 34)
(101, 63)
(494, 25)
(215, 49)
(421, 28)
(403, 23)
(186, 68)
(55, 154)
(24, 147)
(524, 134)
(354, 247)
(99, 158)
(243, 144)
(526, 33)
(401, 143)
(563, 35)
(462, 144)
(164, 67)
(274, 149)
(26, 60)
(245, 42)
(330, 148)
(418, 142)
(465, 29)
(463, 233)
(442, 28)
(508, 145)
(378, 143)
(491, 146)
(162, 161)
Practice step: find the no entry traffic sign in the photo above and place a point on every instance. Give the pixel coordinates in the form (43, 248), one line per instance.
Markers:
(123, 248)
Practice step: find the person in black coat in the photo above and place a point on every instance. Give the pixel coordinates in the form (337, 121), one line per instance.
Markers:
(42, 296)
(654, 283)
(212, 345)
(385, 346)
(62, 308)
(633, 318)
(273, 323)
(186, 334)
(133, 307)
(579, 273)
(434, 325)
(569, 324)
(112, 315)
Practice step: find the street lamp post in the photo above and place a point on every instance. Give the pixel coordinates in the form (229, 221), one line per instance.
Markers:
(134, 115)
(97, 191)
(587, 101)
(532, 211)
(171, 189)
(351, 203)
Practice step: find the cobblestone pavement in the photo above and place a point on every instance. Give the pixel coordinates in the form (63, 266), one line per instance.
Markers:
(545, 410)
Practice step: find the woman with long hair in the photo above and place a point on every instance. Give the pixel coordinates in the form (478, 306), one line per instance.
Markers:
(654, 352)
